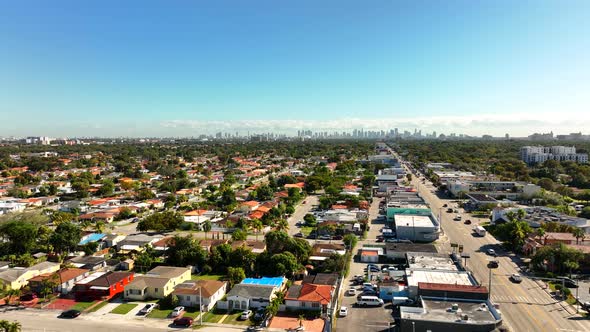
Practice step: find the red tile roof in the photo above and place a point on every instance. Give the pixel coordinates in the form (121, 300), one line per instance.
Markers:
(314, 293)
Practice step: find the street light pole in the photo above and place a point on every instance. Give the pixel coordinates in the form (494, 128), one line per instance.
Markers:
(490, 284)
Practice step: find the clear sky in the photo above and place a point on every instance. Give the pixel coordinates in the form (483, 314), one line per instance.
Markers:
(177, 68)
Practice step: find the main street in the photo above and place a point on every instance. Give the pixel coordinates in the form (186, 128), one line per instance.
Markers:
(525, 306)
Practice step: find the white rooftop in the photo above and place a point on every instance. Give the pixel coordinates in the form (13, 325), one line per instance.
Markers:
(438, 277)
(412, 220)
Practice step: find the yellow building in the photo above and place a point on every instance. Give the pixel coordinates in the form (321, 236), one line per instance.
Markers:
(157, 283)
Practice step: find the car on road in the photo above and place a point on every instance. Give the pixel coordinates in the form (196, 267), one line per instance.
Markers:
(449, 210)
(304, 202)
(516, 278)
(467, 222)
(147, 309)
(457, 218)
(183, 321)
(493, 264)
(343, 312)
(351, 292)
(491, 252)
(445, 205)
(245, 314)
(70, 314)
(177, 311)
(298, 234)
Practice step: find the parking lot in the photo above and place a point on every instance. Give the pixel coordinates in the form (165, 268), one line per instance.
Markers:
(369, 318)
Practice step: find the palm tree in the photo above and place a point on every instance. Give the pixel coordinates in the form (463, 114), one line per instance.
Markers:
(256, 225)
(207, 227)
(578, 233)
(282, 225)
(99, 226)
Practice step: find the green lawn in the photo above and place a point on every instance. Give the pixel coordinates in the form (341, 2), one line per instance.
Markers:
(159, 313)
(305, 230)
(213, 316)
(81, 306)
(124, 308)
(191, 312)
(98, 306)
(233, 319)
(207, 277)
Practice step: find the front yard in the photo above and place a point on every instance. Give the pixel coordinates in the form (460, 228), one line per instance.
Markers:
(223, 317)
(81, 306)
(124, 308)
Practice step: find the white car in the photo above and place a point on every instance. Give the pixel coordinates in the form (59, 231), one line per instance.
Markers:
(147, 309)
(351, 292)
(343, 311)
(245, 314)
(177, 311)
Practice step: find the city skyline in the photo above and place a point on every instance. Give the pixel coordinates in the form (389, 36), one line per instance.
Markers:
(150, 69)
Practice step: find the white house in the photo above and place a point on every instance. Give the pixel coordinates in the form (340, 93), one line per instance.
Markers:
(210, 291)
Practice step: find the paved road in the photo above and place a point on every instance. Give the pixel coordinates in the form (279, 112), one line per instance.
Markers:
(34, 320)
(525, 306)
(364, 319)
(300, 211)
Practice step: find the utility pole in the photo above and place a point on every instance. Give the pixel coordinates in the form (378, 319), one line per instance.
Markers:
(200, 306)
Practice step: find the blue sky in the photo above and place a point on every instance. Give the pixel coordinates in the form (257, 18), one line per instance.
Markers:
(177, 68)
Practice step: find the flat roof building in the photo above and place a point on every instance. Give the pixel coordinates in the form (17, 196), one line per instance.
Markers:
(457, 315)
(420, 227)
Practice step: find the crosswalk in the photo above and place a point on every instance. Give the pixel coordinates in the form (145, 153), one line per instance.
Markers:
(520, 299)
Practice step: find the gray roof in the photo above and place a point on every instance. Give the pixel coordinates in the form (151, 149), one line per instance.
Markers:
(251, 291)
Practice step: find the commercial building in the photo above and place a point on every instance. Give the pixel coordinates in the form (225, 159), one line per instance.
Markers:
(416, 227)
(497, 189)
(447, 314)
(539, 154)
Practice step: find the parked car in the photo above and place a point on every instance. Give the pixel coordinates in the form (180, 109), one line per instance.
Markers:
(260, 313)
(380, 239)
(245, 314)
(70, 314)
(351, 292)
(183, 321)
(147, 309)
(367, 293)
(373, 301)
(177, 311)
(343, 312)
(449, 210)
(569, 283)
(445, 205)
(372, 269)
(493, 264)
(298, 234)
(325, 237)
(402, 300)
(337, 237)
(312, 236)
(491, 252)
(516, 278)
(467, 222)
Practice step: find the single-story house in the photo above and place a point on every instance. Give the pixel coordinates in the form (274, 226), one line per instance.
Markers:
(257, 247)
(309, 297)
(102, 285)
(92, 263)
(245, 296)
(157, 283)
(210, 291)
(64, 279)
(17, 277)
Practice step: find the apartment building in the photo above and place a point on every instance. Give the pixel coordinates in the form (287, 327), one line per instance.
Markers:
(539, 154)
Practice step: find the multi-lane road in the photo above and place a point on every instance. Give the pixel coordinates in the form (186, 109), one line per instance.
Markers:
(525, 306)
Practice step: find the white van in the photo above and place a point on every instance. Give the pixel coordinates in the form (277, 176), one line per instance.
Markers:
(369, 301)
(401, 300)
